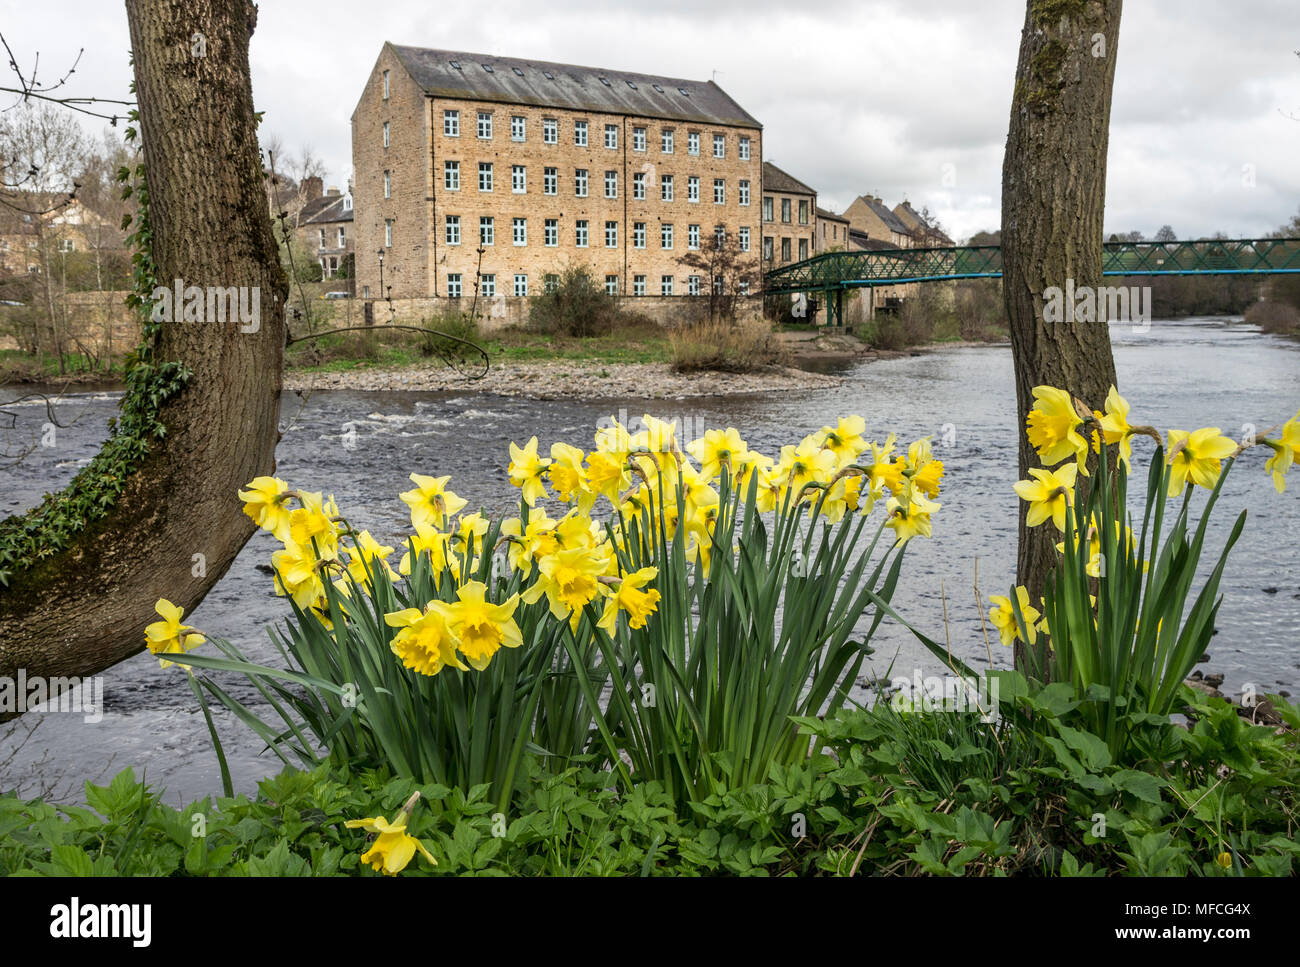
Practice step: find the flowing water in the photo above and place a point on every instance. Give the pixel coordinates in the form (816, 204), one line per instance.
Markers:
(362, 446)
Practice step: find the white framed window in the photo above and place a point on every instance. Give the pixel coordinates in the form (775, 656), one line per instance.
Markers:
(719, 236)
(719, 146)
(666, 235)
(521, 285)
(693, 142)
(550, 181)
(767, 208)
(638, 185)
(717, 284)
(388, 184)
(767, 248)
(743, 149)
(387, 140)
(454, 289)
(744, 239)
(62, 241)
(385, 85)
(611, 184)
(611, 136)
(665, 285)
(719, 191)
(693, 188)
(518, 125)
(743, 190)
(343, 238)
(638, 139)
(611, 285)
(452, 231)
(666, 141)
(580, 182)
(743, 287)
(580, 133)
(550, 282)
(365, 292)
(638, 285)
(551, 233)
(518, 179)
(693, 285)
(485, 176)
(388, 233)
(519, 230)
(451, 124)
(580, 233)
(665, 187)
(451, 175)
(487, 285)
(487, 230)
(550, 131)
(485, 125)
(692, 237)
(611, 235)
(638, 234)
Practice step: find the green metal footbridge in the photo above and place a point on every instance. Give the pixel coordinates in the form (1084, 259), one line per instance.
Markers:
(832, 273)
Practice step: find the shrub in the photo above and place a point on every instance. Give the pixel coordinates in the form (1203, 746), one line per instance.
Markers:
(730, 347)
(1274, 317)
(576, 306)
(455, 329)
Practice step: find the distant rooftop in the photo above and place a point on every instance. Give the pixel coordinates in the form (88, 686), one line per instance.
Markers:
(511, 80)
(774, 179)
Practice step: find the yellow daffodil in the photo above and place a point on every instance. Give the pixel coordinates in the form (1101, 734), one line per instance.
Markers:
(886, 473)
(368, 554)
(431, 503)
(169, 636)
(719, 449)
(265, 501)
(807, 463)
(1048, 494)
(429, 540)
(1286, 451)
(845, 439)
(425, 644)
(1115, 428)
(392, 848)
(569, 578)
(923, 469)
(567, 476)
(607, 474)
(1052, 427)
(910, 519)
(631, 598)
(313, 526)
(1197, 456)
(480, 627)
(1004, 618)
(527, 471)
(297, 574)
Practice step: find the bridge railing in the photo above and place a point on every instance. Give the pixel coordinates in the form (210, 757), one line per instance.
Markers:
(842, 270)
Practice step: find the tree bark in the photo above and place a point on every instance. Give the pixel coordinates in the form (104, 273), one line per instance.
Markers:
(86, 608)
(1053, 201)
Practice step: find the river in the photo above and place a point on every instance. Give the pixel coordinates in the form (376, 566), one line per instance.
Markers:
(362, 446)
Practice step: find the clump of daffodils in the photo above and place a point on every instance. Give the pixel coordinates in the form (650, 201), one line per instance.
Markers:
(584, 516)
(1060, 429)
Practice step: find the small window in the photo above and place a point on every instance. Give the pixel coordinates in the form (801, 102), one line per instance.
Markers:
(487, 230)
(453, 285)
(388, 233)
(550, 131)
(665, 285)
(604, 81)
(548, 75)
(518, 127)
(455, 65)
(385, 85)
(453, 230)
(521, 285)
(519, 72)
(488, 285)
(631, 85)
(611, 285)
(519, 231)
(638, 285)
(485, 125)
(683, 92)
(451, 124)
(658, 88)
(487, 68)
(580, 233)
(386, 137)
(580, 133)
(550, 281)
(388, 184)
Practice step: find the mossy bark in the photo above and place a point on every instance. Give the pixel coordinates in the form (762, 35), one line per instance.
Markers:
(1053, 203)
(86, 607)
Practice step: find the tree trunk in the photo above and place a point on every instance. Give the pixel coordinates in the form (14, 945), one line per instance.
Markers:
(86, 608)
(1053, 201)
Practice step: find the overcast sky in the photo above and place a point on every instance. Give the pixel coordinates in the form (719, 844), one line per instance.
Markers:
(900, 98)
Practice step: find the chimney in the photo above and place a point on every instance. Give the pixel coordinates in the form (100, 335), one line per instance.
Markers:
(333, 191)
(311, 188)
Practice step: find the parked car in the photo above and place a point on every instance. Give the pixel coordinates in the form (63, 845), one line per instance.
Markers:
(10, 302)
(334, 295)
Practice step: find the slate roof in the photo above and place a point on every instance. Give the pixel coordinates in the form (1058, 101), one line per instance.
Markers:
(830, 216)
(327, 208)
(892, 221)
(774, 179)
(926, 226)
(863, 241)
(513, 80)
